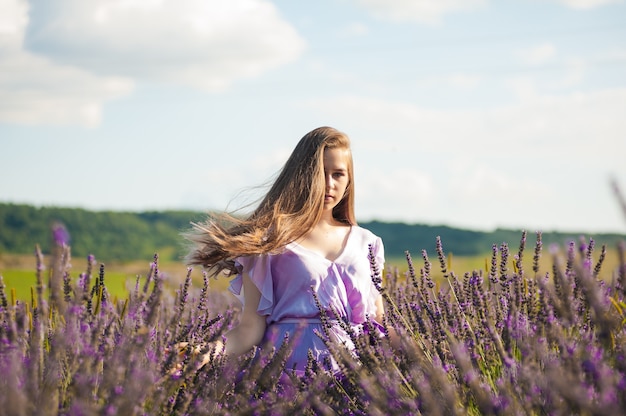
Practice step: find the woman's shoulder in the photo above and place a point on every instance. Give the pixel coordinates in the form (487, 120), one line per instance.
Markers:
(364, 235)
(363, 240)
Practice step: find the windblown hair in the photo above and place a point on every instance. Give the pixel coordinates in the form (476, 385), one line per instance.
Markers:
(290, 209)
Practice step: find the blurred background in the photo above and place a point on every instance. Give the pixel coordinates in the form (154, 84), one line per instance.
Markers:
(469, 113)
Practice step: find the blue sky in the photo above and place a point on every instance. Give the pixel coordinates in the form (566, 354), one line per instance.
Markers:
(470, 113)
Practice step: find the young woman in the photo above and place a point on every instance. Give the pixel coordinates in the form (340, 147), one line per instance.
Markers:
(301, 240)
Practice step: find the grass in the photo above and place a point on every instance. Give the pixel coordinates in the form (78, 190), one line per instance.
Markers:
(121, 276)
(19, 276)
(462, 264)
(20, 283)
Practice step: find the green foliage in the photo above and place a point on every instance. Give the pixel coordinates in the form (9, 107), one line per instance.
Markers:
(399, 237)
(123, 236)
(116, 236)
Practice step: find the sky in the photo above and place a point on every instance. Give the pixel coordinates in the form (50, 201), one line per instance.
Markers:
(475, 114)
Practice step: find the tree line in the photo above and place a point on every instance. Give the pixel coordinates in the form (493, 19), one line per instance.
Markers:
(126, 236)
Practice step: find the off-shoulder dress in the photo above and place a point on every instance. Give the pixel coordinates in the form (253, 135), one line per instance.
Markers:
(287, 281)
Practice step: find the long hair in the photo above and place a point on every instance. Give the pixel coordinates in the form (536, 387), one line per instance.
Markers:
(289, 210)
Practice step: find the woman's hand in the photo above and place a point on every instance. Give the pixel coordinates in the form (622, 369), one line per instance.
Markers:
(239, 340)
(184, 350)
(214, 349)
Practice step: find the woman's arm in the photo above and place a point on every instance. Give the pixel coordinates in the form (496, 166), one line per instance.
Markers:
(248, 333)
(251, 328)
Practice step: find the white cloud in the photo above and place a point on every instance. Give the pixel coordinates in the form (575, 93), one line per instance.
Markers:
(244, 187)
(471, 183)
(576, 69)
(456, 80)
(400, 192)
(587, 4)
(207, 44)
(34, 90)
(575, 123)
(464, 81)
(13, 20)
(269, 163)
(560, 123)
(539, 162)
(60, 63)
(523, 87)
(499, 196)
(423, 11)
(356, 29)
(537, 55)
(615, 54)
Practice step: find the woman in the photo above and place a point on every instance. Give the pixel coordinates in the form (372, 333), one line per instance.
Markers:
(301, 240)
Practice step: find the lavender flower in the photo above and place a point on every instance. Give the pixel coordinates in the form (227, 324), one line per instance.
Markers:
(548, 343)
(60, 235)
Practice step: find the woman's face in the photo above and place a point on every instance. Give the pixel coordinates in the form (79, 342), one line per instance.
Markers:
(336, 175)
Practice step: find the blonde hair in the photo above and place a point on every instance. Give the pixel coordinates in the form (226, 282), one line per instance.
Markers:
(289, 210)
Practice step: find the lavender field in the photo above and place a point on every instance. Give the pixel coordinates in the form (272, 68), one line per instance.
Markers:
(507, 339)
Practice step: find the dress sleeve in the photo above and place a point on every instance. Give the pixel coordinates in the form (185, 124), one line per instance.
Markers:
(260, 272)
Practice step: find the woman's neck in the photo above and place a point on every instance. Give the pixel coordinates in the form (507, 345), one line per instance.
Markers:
(327, 220)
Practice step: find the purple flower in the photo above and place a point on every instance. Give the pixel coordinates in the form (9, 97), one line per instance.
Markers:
(60, 235)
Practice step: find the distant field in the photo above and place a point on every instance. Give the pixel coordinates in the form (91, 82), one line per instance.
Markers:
(18, 272)
(21, 281)
(462, 264)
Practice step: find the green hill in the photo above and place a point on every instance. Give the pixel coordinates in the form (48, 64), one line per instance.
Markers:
(399, 237)
(124, 236)
(111, 235)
